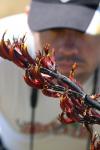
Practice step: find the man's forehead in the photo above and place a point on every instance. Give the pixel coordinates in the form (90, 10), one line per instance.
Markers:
(61, 32)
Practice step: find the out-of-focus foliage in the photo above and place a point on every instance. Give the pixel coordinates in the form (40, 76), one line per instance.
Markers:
(10, 7)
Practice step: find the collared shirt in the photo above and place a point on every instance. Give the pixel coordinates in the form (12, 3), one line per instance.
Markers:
(16, 111)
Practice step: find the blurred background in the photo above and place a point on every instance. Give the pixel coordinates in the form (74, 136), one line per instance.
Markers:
(10, 7)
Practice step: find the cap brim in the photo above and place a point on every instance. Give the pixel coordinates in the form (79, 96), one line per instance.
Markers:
(44, 16)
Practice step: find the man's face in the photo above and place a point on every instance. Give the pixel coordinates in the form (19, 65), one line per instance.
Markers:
(73, 46)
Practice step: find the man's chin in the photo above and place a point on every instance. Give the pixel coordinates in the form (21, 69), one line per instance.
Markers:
(82, 77)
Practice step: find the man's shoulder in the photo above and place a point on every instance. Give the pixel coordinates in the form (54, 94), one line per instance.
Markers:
(13, 19)
(14, 24)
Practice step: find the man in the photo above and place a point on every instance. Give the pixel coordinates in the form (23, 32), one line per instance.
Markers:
(73, 42)
(66, 33)
(72, 28)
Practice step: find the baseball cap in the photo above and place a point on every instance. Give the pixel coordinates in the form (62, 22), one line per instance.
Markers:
(72, 14)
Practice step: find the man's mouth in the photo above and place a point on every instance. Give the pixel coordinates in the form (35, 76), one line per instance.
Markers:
(70, 59)
(65, 65)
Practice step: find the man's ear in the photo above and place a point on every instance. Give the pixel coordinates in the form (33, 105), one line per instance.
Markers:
(27, 9)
